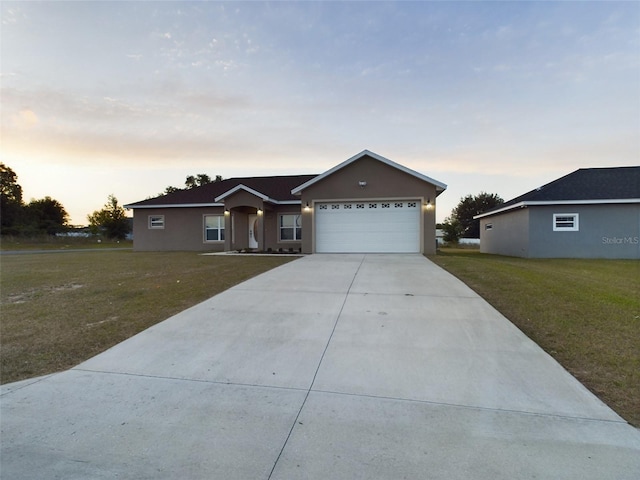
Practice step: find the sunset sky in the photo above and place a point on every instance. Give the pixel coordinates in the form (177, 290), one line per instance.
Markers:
(126, 98)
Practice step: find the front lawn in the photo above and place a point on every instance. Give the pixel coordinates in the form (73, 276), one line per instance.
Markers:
(585, 313)
(59, 309)
(51, 242)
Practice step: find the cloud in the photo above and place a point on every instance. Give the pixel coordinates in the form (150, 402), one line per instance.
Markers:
(12, 15)
(160, 106)
(25, 119)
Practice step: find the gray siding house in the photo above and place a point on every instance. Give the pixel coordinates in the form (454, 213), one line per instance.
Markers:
(365, 204)
(590, 213)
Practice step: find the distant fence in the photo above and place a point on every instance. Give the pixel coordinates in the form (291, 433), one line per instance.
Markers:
(473, 242)
(469, 241)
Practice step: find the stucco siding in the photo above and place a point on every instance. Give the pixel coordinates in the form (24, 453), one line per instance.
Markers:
(272, 228)
(382, 182)
(508, 234)
(605, 231)
(183, 229)
(241, 206)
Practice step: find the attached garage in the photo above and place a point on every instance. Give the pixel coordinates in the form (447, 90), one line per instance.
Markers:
(368, 226)
(369, 204)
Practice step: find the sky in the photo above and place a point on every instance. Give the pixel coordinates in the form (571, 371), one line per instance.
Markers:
(127, 98)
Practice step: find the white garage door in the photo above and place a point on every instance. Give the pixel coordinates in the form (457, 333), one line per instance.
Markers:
(368, 227)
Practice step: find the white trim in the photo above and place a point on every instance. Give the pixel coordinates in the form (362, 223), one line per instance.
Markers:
(246, 189)
(280, 227)
(190, 205)
(160, 221)
(204, 227)
(575, 225)
(176, 205)
(500, 210)
(439, 185)
(524, 204)
(264, 197)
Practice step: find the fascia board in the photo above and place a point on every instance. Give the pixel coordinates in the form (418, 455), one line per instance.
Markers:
(500, 210)
(439, 185)
(175, 205)
(194, 205)
(246, 189)
(608, 201)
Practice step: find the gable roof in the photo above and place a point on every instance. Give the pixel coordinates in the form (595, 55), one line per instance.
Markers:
(276, 189)
(242, 187)
(584, 186)
(440, 187)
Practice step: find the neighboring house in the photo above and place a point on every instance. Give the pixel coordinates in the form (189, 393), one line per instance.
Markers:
(590, 213)
(365, 204)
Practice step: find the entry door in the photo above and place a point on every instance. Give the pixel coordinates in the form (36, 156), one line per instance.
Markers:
(253, 231)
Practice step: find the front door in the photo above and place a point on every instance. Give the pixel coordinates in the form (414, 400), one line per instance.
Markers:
(253, 231)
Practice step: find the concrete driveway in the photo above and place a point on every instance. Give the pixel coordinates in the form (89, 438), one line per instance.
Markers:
(329, 367)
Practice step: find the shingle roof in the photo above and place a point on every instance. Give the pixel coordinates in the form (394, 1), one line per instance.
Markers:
(277, 188)
(583, 185)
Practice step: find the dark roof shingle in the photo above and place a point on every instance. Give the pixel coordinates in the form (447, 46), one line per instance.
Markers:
(277, 187)
(612, 183)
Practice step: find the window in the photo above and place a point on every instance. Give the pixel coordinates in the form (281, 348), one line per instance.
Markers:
(156, 221)
(565, 222)
(213, 228)
(290, 227)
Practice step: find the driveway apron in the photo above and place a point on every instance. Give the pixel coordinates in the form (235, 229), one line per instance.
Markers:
(329, 367)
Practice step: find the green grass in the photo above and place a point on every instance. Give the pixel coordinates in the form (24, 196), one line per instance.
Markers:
(61, 309)
(585, 313)
(50, 242)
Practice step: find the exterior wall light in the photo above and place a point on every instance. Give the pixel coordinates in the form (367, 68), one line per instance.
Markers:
(226, 211)
(362, 183)
(429, 205)
(259, 211)
(307, 207)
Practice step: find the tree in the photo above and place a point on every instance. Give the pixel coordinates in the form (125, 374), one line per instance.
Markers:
(46, 216)
(452, 230)
(192, 181)
(197, 181)
(112, 220)
(460, 224)
(10, 200)
(39, 216)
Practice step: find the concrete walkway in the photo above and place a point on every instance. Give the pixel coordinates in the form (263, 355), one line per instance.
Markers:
(329, 367)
